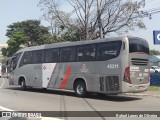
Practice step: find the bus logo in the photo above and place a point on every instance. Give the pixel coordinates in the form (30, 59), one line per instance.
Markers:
(84, 69)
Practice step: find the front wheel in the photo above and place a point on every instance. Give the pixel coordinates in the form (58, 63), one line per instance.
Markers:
(80, 89)
(23, 85)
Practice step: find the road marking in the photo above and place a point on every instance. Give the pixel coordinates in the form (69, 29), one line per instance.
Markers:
(2, 83)
(5, 109)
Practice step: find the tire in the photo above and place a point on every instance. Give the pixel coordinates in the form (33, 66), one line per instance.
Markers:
(80, 89)
(23, 85)
(156, 71)
(44, 89)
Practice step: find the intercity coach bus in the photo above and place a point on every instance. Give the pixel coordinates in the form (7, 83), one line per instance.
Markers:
(0, 69)
(109, 66)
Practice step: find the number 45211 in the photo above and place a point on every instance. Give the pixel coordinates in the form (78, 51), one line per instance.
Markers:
(112, 66)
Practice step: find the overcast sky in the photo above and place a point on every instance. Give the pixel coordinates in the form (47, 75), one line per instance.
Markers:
(18, 10)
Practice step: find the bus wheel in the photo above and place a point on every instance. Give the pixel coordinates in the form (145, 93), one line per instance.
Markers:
(23, 85)
(80, 89)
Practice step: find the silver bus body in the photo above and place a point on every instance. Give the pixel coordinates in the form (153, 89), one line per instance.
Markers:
(114, 69)
(0, 69)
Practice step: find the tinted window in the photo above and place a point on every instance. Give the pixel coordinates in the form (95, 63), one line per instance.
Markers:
(15, 59)
(17, 56)
(138, 45)
(108, 50)
(26, 59)
(37, 56)
(52, 55)
(68, 54)
(86, 53)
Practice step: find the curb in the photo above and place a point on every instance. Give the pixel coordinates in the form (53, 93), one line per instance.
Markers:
(142, 95)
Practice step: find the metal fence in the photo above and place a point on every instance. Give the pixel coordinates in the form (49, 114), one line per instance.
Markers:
(155, 79)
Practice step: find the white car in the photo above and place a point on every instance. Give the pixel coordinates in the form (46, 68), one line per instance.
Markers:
(155, 69)
(152, 70)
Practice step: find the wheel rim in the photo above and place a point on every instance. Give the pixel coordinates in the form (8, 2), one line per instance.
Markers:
(80, 89)
(22, 84)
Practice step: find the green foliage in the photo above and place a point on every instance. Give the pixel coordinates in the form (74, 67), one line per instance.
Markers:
(154, 52)
(154, 88)
(26, 33)
(15, 41)
(4, 51)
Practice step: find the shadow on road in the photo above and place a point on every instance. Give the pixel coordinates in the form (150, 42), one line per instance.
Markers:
(115, 98)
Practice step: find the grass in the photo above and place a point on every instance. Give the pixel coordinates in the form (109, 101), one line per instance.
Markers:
(154, 88)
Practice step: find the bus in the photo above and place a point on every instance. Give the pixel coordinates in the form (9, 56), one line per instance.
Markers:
(106, 66)
(0, 69)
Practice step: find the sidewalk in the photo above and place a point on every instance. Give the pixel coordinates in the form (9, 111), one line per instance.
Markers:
(146, 93)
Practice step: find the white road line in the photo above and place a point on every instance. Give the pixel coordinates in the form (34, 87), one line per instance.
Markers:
(2, 83)
(5, 109)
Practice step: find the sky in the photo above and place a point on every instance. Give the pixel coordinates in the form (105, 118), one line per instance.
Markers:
(19, 10)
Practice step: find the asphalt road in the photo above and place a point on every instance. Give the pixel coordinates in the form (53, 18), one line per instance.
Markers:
(12, 97)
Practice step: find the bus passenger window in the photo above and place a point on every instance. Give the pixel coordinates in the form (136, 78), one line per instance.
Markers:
(55, 55)
(51, 56)
(26, 59)
(108, 50)
(68, 54)
(37, 56)
(86, 53)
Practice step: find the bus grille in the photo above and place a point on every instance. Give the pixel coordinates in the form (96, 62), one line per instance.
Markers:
(137, 61)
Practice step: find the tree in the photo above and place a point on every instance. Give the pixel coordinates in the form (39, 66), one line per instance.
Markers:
(96, 18)
(154, 52)
(31, 30)
(4, 51)
(26, 33)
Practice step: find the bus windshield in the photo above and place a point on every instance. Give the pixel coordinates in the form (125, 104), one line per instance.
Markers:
(138, 45)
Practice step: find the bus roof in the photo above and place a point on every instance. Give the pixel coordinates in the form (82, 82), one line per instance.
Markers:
(66, 44)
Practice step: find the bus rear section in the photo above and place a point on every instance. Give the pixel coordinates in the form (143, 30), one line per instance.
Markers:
(136, 74)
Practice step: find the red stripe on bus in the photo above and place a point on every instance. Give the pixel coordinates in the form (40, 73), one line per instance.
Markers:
(66, 77)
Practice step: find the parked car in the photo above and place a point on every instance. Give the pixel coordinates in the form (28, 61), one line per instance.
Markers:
(155, 69)
(152, 70)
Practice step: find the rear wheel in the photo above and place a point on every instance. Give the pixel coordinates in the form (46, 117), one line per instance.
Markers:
(80, 89)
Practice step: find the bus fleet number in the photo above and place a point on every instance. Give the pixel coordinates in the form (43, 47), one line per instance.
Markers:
(112, 66)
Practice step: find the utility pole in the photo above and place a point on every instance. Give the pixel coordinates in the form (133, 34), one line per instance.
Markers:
(99, 20)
